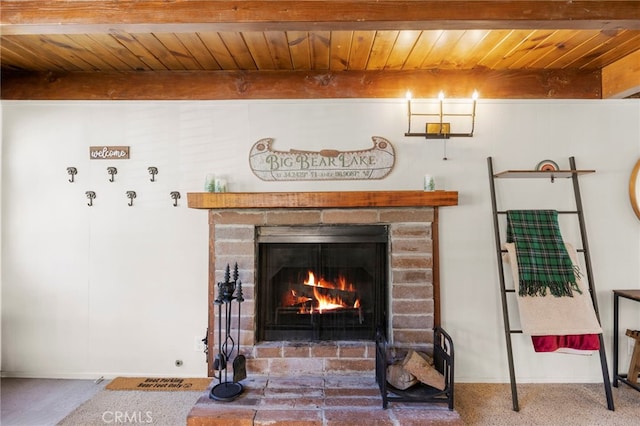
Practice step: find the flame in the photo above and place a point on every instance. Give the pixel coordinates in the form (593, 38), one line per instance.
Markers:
(342, 283)
(327, 302)
(311, 280)
(344, 286)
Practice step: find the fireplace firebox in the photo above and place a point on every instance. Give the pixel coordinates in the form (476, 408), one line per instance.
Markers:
(321, 283)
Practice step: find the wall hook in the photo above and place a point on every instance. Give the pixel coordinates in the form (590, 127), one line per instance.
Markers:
(131, 195)
(72, 171)
(175, 196)
(90, 195)
(112, 171)
(153, 171)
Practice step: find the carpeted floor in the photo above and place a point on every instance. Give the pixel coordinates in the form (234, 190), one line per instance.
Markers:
(546, 404)
(134, 407)
(477, 404)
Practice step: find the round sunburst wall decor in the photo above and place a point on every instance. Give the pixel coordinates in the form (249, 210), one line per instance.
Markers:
(547, 166)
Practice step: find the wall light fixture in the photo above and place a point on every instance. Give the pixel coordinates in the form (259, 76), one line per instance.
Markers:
(439, 128)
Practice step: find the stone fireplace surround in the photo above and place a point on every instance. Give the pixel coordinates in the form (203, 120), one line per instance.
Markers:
(413, 308)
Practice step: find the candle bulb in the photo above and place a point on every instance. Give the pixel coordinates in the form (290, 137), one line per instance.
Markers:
(441, 98)
(408, 96)
(475, 99)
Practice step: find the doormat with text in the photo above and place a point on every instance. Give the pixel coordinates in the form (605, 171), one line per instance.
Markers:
(159, 384)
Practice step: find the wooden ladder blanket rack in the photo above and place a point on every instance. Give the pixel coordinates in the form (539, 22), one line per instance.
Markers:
(572, 173)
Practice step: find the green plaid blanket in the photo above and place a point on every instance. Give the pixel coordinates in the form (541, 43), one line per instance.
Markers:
(543, 262)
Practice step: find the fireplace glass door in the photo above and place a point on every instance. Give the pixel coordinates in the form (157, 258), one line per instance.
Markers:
(318, 283)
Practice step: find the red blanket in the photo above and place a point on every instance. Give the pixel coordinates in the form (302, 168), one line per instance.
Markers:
(573, 342)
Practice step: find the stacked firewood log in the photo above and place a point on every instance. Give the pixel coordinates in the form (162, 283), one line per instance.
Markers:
(415, 367)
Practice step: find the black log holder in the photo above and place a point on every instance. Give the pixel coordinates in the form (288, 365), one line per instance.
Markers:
(228, 291)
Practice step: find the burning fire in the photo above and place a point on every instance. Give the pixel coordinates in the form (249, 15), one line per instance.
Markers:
(341, 285)
(325, 302)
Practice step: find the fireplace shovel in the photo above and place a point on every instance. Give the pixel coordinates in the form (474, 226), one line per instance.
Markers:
(239, 368)
(239, 362)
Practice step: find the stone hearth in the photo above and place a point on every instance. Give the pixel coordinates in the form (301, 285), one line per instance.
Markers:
(315, 401)
(412, 217)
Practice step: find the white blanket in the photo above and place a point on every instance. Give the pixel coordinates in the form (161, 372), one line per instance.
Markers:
(549, 315)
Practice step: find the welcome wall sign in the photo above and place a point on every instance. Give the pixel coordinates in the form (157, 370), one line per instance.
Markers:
(109, 152)
(326, 164)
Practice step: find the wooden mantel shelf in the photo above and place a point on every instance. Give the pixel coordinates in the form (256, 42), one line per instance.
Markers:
(284, 200)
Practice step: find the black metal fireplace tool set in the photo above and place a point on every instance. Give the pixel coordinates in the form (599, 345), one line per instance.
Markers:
(227, 390)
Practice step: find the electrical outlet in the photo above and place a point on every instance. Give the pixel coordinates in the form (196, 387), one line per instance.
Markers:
(198, 344)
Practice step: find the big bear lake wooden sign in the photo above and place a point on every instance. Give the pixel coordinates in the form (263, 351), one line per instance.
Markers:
(326, 164)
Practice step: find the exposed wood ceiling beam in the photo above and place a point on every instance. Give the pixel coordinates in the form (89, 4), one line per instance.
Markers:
(190, 85)
(36, 17)
(622, 78)
(66, 16)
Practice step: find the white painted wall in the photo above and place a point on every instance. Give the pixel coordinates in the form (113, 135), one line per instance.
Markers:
(1, 174)
(117, 290)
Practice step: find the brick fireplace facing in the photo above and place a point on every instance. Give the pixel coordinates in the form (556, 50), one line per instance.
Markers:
(413, 308)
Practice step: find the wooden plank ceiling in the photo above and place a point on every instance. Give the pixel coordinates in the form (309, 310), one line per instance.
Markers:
(193, 49)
